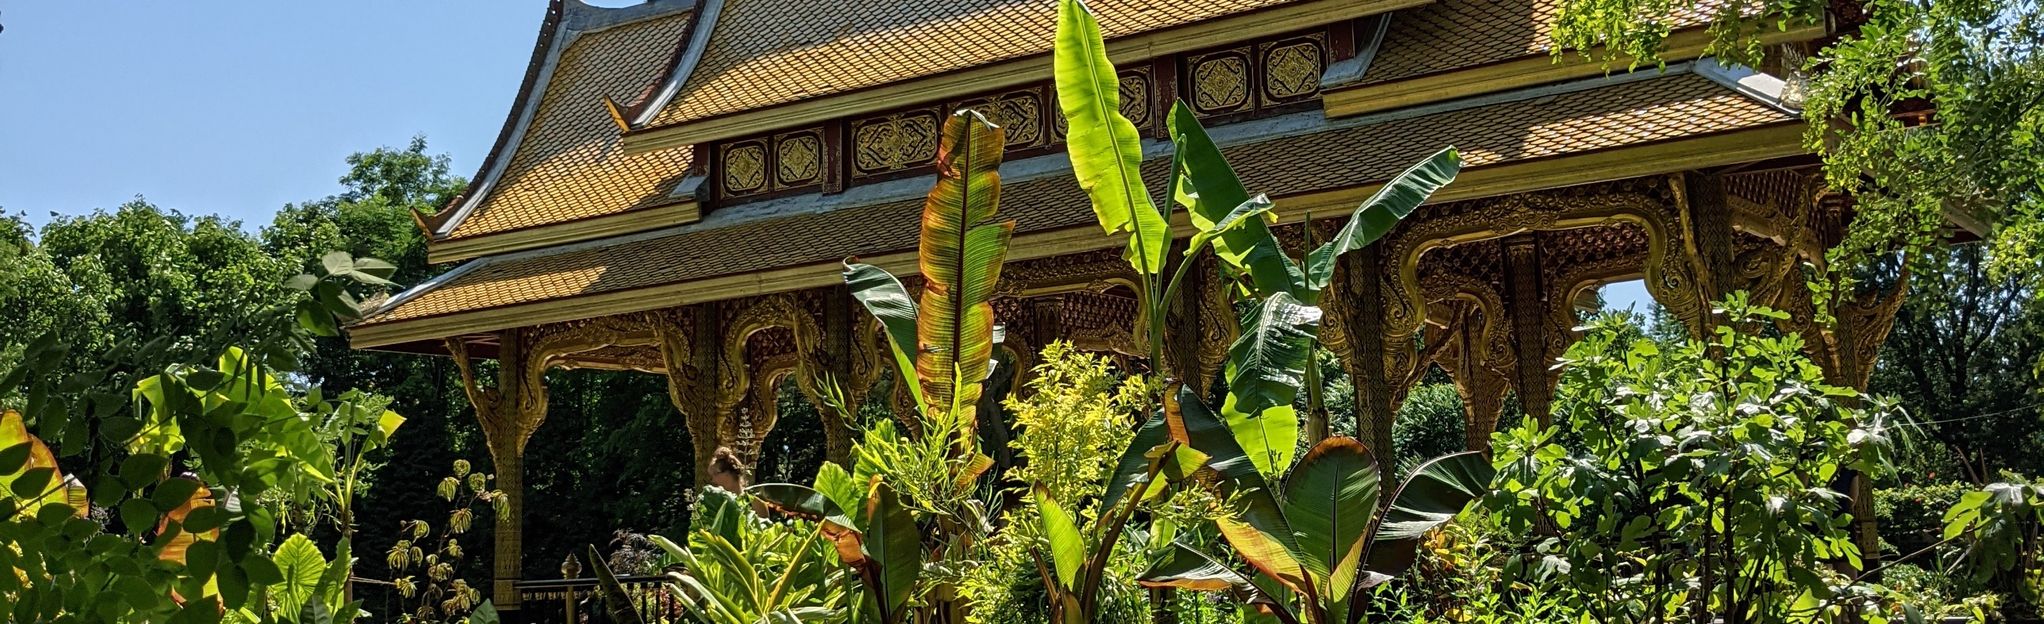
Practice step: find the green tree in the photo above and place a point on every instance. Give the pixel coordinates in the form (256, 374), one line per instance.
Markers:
(1959, 361)
(1927, 109)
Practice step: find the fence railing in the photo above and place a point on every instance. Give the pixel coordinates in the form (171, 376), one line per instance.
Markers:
(575, 601)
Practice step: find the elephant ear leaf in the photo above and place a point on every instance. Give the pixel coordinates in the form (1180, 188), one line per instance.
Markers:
(1330, 500)
(961, 254)
(887, 300)
(1377, 215)
(1433, 495)
(303, 568)
(1106, 150)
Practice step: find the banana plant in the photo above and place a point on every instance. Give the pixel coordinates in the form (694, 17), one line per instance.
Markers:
(945, 341)
(878, 540)
(1324, 539)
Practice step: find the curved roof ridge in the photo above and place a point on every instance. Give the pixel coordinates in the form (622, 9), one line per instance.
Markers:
(565, 21)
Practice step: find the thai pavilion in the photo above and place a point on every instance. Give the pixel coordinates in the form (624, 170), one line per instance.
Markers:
(678, 182)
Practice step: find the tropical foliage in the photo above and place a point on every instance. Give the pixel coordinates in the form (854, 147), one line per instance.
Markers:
(1696, 479)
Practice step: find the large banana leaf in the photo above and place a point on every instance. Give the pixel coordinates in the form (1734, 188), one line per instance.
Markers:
(1377, 215)
(1330, 501)
(1266, 367)
(962, 250)
(1258, 532)
(616, 603)
(1209, 189)
(1106, 150)
(1067, 546)
(1130, 470)
(1185, 567)
(892, 548)
(885, 298)
(1435, 492)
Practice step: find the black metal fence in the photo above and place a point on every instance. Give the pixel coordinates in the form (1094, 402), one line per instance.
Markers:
(575, 601)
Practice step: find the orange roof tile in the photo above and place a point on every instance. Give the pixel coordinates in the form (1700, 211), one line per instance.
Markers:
(767, 52)
(1618, 115)
(568, 165)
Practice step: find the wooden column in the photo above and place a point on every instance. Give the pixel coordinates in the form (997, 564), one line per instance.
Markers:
(698, 378)
(1526, 305)
(846, 357)
(1355, 330)
(1466, 354)
(509, 413)
(1200, 326)
(1707, 218)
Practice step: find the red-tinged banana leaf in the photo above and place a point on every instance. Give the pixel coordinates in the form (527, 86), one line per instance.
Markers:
(1433, 495)
(1258, 530)
(1381, 212)
(1106, 151)
(961, 254)
(30, 464)
(1185, 567)
(1209, 190)
(1330, 501)
(800, 501)
(1134, 465)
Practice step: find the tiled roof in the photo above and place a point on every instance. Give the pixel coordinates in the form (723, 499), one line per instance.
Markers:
(1455, 34)
(1618, 115)
(767, 52)
(568, 166)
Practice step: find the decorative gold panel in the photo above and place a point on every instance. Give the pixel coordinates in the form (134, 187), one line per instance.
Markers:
(895, 142)
(1137, 96)
(1219, 81)
(798, 159)
(1020, 113)
(1292, 67)
(745, 167)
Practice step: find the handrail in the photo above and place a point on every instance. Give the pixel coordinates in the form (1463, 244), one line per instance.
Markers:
(575, 601)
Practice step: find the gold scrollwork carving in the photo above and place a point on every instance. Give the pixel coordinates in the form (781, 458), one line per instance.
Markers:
(745, 164)
(895, 142)
(1220, 82)
(1019, 113)
(798, 159)
(1291, 69)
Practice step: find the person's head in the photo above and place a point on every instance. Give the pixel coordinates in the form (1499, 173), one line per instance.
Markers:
(728, 471)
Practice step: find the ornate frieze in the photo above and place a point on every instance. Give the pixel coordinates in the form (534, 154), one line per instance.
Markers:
(1020, 113)
(1219, 82)
(798, 159)
(1292, 68)
(1242, 79)
(890, 143)
(786, 161)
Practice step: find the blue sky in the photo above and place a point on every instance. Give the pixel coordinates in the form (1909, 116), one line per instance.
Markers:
(236, 107)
